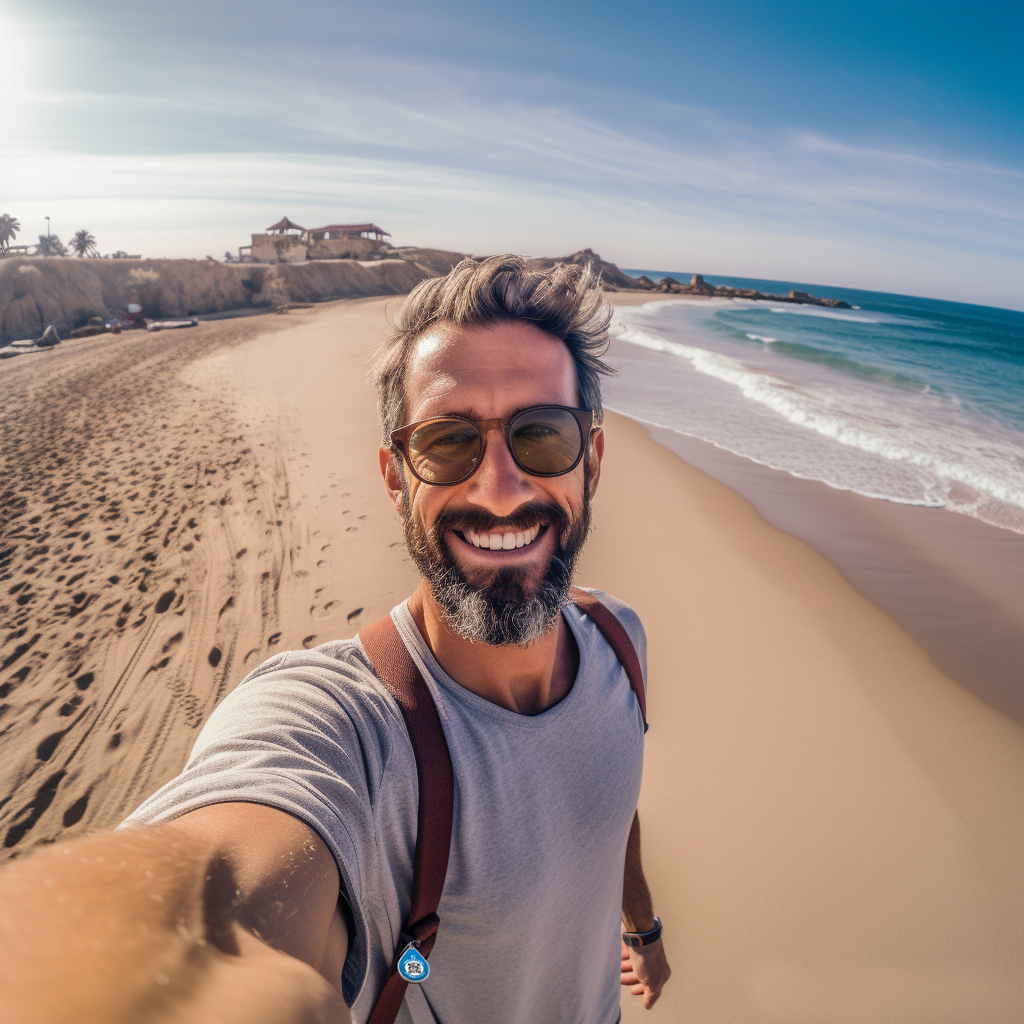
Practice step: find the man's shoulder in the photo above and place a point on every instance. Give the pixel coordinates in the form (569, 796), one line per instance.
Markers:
(334, 678)
(623, 612)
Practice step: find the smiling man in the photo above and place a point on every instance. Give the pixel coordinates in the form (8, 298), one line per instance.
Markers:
(309, 781)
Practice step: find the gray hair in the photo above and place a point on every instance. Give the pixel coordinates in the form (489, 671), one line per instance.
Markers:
(566, 302)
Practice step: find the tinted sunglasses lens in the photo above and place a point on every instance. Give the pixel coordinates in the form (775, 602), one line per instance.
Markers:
(444, 451)
(546, 441)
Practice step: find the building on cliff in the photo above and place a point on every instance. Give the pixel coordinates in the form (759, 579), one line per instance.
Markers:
(288, 242)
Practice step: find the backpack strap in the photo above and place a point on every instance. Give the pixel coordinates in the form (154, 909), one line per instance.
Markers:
(395, 668)
(618, 640)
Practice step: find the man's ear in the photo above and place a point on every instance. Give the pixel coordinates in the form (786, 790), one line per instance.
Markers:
(595, 453)
(392, 472)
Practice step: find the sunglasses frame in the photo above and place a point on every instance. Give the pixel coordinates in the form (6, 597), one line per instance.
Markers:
(584, 421)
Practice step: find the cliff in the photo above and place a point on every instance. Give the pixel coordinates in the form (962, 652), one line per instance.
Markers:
(36, 292)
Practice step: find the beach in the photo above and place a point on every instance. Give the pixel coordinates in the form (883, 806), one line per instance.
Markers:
(831, 822)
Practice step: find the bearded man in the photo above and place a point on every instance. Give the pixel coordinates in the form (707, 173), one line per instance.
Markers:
(273, 879)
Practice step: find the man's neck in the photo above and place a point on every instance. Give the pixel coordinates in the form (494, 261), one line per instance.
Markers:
(526, 680)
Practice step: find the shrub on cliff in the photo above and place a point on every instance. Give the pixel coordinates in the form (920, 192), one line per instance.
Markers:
(50, 245)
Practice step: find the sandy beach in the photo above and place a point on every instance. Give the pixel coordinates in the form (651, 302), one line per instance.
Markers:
(832, 824)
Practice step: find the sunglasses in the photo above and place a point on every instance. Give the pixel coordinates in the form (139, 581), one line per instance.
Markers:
(544, 440)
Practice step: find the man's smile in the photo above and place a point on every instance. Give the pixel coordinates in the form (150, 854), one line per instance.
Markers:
(501, 545)
(502, 541)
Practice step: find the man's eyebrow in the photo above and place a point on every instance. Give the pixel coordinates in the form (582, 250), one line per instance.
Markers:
(466, 414)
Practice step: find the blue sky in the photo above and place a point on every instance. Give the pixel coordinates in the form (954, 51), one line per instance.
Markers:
(867, 145)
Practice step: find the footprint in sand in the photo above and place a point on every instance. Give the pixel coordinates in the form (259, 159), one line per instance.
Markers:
(323, 564)
(74, 814)
(68, 707)
(322, 611)
(46, 748)
(33, 811)
(308, 641)
(327, 547)
(352, 616)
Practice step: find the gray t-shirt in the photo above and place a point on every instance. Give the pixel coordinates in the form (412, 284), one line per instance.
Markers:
(543, 805)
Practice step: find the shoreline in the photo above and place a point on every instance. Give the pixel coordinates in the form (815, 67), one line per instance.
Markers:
(951, 581)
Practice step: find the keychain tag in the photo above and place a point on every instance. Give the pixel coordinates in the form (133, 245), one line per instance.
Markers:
(412, 966)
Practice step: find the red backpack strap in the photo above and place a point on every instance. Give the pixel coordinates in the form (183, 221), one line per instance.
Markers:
(618, 640)
(395, 669)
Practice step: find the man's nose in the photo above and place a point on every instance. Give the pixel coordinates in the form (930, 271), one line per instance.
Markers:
(499, 485)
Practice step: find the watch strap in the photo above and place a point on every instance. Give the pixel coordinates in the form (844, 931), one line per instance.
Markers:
(638, 939)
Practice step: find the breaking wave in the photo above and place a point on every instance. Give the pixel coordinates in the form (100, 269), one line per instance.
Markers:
(855, 426)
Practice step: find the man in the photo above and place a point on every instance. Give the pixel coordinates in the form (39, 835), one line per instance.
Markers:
(225, 904)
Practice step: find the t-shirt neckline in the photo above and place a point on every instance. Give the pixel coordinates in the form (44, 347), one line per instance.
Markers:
(421, 652)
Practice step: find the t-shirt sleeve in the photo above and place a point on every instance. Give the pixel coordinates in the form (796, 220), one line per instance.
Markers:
(295, 737)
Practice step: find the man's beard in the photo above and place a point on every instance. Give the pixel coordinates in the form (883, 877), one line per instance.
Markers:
(506, 610)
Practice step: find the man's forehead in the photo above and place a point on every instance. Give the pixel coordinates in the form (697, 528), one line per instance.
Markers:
(449, 364)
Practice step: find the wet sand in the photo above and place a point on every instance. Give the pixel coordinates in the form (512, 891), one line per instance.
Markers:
(955, 583)
(832, 825)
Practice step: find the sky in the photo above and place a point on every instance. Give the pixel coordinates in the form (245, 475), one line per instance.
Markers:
(867, 145)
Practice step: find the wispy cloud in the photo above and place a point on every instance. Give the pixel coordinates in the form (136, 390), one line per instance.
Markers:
(451, 157)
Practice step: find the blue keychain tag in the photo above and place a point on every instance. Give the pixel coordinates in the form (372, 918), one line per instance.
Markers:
(412, 966)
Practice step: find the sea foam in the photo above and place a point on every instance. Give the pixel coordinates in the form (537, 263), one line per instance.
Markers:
(868, 437)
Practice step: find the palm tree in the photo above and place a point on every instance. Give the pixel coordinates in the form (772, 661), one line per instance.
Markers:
(50, 245)
(9, 228)
(83, 244)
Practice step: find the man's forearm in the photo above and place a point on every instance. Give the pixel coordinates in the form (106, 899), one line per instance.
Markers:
(637, 907)
(137, 926)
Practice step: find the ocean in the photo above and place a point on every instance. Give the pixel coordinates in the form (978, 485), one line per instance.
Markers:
(912, 400)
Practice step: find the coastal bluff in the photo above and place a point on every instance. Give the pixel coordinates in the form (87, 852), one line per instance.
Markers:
(37, 292)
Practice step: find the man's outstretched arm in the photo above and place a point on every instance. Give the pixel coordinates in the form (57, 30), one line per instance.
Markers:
(227, 914)
(645, 970)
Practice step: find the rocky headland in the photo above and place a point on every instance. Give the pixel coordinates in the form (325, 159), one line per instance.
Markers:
(698, 286)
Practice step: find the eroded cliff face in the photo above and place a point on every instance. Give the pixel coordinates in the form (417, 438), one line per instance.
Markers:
(36, 292)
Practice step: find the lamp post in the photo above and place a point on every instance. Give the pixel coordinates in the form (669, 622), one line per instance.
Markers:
(47, 227)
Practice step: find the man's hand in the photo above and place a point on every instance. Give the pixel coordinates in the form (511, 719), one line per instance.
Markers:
(645, 970)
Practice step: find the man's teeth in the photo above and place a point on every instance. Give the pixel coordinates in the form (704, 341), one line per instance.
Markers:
(503, 541)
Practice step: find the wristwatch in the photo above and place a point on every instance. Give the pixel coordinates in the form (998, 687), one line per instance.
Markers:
(637, 939)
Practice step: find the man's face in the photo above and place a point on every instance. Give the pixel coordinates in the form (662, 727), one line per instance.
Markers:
(506, 596)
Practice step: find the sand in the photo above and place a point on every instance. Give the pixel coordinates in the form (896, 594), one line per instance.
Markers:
(832, 826)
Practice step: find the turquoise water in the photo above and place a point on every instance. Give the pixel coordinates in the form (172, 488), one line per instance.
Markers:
(908, 399)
